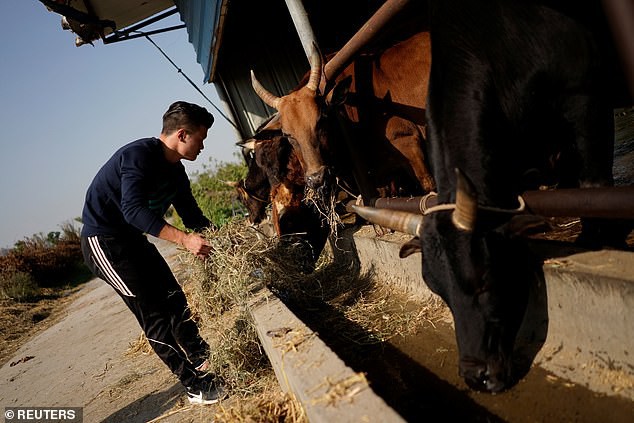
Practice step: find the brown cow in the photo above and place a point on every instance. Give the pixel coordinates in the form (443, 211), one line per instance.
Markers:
(386, 99)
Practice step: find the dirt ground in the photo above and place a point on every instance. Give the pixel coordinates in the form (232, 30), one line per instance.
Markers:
(85, 353)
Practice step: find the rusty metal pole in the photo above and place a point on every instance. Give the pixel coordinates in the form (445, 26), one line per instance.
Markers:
(605, 202)
(364, 35)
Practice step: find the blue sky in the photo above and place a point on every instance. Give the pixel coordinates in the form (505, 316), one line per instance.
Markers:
(66, 109)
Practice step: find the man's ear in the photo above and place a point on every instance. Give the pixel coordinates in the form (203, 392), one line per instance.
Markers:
(181, 134)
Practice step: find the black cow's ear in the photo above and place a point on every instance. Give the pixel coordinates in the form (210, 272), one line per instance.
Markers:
(339, 93)
(410, 247)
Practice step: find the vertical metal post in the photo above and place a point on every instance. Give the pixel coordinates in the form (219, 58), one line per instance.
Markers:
(302, 25)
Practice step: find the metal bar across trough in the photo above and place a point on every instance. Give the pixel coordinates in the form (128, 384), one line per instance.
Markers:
(604, 202)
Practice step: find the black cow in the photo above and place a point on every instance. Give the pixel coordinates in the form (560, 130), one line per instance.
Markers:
(515, 86)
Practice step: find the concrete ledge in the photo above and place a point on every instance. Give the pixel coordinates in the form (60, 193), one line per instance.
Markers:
(586, 309)
(378, 255)
(329, 390)
(591, 320)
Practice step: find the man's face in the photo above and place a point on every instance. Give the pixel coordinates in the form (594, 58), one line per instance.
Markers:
(191, 142)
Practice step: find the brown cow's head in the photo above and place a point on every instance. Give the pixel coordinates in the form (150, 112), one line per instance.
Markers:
(481, 272)
(301, 115)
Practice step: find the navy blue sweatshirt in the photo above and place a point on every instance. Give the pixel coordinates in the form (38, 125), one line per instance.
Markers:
(132, 191)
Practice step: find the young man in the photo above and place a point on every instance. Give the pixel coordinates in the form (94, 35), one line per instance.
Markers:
(128, 199)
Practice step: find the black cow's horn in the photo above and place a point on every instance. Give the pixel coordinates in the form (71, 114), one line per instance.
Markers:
(409, 223)
(464, 216)
(315, 69)
(268, 98)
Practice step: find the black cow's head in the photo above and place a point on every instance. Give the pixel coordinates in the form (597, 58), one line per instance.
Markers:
(481, 271)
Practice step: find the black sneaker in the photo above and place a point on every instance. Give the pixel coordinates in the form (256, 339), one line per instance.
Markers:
(205, 392)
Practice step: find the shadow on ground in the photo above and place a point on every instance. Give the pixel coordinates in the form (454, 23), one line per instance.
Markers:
(148, 407)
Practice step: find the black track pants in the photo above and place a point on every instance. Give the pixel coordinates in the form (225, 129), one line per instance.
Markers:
(140, 275)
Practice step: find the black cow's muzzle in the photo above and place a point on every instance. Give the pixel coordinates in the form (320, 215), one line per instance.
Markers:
(493, 376)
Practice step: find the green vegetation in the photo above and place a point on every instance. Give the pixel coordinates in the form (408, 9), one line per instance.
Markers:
(41, 262)
(216, 199)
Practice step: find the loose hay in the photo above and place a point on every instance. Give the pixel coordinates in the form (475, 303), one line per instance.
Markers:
(325, 205)
(335, 293)
(343, 390)
(140, 346)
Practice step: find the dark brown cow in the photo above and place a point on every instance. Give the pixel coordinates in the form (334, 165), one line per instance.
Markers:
(275, 177)
(255, 189)
(386, 98)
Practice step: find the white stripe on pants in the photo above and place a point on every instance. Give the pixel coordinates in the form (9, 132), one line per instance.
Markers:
(106, 268)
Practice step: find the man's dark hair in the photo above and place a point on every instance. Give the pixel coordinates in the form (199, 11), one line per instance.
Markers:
(186, 115)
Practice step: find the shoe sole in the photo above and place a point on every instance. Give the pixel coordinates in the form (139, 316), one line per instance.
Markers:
(203, 402)
(198, 399)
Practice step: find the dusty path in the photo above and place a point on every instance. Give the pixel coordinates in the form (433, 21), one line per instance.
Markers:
(85, 360)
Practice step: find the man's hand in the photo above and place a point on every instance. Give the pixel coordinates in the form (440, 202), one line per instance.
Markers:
(197, 245)
(194, 243)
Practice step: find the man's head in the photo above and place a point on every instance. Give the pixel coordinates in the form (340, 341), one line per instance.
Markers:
(186, 115)
(185, 128)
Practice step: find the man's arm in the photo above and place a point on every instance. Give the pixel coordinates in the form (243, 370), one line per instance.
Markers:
(187, 207)
(193, 242)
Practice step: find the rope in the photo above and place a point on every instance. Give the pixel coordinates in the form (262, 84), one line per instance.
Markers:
(189, 80)
(250, 195)
(347, 190)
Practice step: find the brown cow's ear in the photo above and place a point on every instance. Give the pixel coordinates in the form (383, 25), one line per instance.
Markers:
(339, 93)
(410, 247)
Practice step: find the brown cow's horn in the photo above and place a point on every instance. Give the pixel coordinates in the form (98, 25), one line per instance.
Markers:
(233, 184)
(315, 69)
(464, 216)
(268, 98)
(409, 223)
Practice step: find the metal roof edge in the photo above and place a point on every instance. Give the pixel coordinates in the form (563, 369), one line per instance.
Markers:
(218, 36)
(202, 19)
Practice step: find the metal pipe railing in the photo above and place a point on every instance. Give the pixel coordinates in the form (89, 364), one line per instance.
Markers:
(601, 202)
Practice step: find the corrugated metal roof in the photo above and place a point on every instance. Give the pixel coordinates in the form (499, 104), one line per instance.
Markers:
(203, 19)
